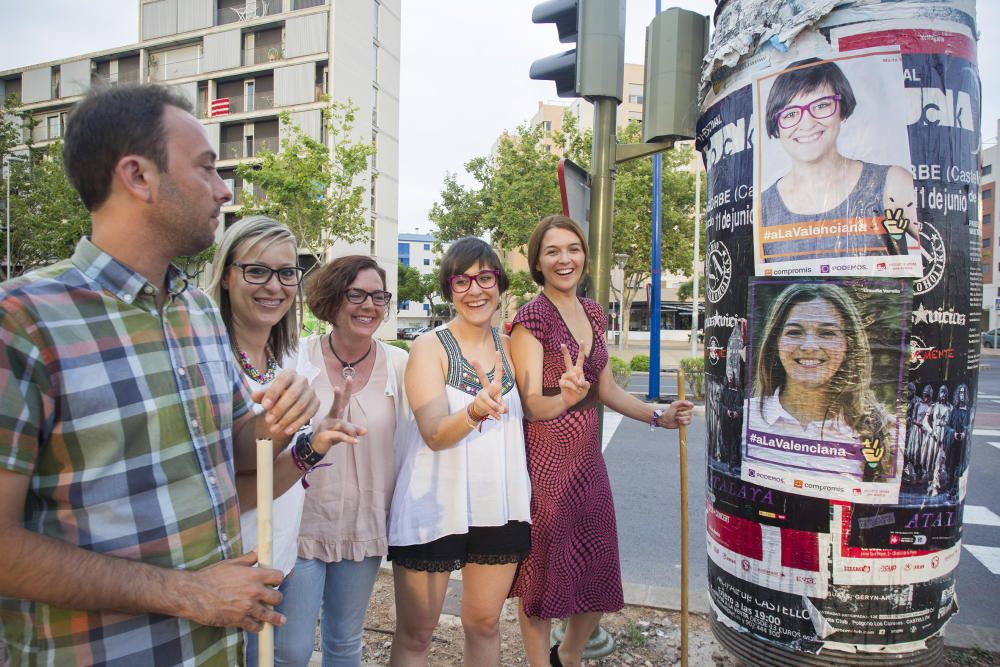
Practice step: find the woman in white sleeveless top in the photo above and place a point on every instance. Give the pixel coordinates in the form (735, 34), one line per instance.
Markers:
(462, 497)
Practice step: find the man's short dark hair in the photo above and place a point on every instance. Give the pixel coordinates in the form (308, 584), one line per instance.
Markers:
(462, 254)
(110, 123)
(801, 77)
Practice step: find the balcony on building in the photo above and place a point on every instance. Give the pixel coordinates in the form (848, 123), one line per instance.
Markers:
(116, 70)
(240, 11)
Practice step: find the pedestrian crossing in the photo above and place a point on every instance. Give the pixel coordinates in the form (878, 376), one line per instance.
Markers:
(978, 515)
(612, 420)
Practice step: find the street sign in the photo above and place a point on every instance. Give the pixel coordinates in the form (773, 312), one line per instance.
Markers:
(574, 186)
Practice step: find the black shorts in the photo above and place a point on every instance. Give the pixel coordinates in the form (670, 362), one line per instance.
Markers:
(489, 545)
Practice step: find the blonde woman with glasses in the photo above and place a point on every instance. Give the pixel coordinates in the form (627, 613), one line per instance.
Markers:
(255, 280)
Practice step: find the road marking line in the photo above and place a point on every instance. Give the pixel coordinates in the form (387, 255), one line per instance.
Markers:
(980, 515)
(611, 423)
(988, 556)
(995, 444)
(988, 396)
(986, 431)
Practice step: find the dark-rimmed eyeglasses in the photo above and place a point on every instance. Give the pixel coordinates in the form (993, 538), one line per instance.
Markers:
(819, 108)
(258, 274)
(461, 282)
(357, 295)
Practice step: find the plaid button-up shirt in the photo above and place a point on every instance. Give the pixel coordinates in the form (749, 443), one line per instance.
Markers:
(122, 416)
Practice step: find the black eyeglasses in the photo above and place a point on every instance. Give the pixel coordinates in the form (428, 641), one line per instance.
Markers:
(461, 282)
(379, 297)
(258, 274)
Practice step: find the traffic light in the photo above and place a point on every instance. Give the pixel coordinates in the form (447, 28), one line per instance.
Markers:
(595, 67)
(676, 43)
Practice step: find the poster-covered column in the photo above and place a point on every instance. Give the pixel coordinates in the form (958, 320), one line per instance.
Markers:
(843, 284)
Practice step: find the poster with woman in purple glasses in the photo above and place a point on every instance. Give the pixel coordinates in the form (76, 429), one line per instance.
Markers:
(832, 172)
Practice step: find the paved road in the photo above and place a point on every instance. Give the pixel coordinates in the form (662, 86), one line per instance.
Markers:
(644, 475)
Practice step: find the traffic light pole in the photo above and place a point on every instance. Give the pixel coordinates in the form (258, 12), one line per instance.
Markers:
(602, 197)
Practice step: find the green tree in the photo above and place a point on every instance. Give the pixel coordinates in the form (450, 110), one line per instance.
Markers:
(686, 288)
(409, 285)
(513, 189)
(313, 186)
(47, 217)
(521, 288)
(633, 230)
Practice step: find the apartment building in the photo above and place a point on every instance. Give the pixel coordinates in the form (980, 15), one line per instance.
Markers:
(988, 210)
(243, 62)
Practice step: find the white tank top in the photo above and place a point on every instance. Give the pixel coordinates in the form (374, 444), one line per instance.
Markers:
(481, 480)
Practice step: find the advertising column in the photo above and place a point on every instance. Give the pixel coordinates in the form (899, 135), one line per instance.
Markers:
(843, 285)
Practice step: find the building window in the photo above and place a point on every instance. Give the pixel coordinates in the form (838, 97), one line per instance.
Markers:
(174, 63)
(374, 61)
(427, 307)
(427, 262)
(987, 169)
(986, 243)
(987, 219)
(404, 305)
(248, 96)
(374, 105)
(547, 125)
(54, 125)
(635, 93)
(375, 8)
(988, 194)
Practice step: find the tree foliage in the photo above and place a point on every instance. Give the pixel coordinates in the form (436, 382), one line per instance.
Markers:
(517, 185)
(408, 285)
(312, 187)
(521, 288)
(47, 217)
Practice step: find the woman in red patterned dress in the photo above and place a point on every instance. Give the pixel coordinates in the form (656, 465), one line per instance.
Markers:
(561, 365)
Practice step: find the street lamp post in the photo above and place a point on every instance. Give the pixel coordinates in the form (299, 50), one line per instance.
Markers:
(620, 259)
(6, 175)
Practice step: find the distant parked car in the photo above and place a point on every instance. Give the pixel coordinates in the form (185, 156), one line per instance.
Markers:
(403, 333)
(417, 332)
(991, 338)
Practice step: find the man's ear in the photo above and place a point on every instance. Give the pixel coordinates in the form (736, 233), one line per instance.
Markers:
(138, 176)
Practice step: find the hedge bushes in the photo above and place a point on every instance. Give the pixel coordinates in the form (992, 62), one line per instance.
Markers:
(694, 375)
(620, 371)
(640, 362)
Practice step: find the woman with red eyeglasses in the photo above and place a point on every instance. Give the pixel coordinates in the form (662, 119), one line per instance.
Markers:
(462, 498)
(806, 109)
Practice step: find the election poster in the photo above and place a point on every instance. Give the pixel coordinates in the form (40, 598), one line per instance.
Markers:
(782, 559)
(864, 566)
(832, 177)
(827, 362)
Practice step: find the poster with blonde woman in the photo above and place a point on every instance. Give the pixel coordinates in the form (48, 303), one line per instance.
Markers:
(832, 174)
(826, 413)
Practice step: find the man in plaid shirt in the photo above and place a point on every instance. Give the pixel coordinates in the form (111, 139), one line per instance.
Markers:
(123, 418)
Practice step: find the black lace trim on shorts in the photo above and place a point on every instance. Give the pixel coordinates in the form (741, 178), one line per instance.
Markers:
(423, 565)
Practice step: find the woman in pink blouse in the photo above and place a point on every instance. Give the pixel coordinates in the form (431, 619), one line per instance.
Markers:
(342, 538)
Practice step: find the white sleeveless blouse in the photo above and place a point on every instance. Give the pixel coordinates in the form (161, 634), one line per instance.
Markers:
(482, 480)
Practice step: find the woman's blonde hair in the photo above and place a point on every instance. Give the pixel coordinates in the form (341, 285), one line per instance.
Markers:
(253, 231)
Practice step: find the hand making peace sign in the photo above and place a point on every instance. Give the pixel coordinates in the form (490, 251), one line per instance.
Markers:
(573, 385)
(332, 429)
(489, 401)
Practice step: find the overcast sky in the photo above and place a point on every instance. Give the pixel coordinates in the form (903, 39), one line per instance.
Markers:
(448, 114)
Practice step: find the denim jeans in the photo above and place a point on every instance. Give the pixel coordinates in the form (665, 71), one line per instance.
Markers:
(343, 590)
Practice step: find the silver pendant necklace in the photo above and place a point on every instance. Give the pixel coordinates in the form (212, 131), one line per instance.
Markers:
(348, 371)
